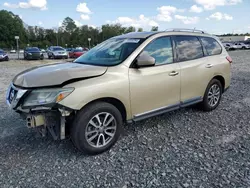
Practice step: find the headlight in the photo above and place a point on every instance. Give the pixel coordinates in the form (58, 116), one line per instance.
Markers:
(46, 96)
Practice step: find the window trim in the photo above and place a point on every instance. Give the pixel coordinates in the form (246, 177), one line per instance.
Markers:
(207, 55)
(177, 58)
(132, 65)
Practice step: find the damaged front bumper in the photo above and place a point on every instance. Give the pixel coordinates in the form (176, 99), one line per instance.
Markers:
(44, 119)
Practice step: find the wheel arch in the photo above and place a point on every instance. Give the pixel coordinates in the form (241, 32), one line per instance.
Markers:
(222, 81)
(116, 102)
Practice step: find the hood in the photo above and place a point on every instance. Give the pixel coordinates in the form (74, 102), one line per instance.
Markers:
(56, 74)
(59, 52)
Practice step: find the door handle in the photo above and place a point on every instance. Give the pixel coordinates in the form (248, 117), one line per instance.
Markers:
(173, 73)
(209, 66)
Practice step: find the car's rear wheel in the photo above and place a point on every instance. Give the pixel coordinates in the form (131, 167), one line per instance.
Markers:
(96, 128)
(6, 58)
(212, 95)
(42, 57)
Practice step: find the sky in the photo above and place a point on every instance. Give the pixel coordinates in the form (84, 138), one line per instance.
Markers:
(213, 16)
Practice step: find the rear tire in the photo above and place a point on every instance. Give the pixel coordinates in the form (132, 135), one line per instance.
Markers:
(7, 58)
(92, 136)
(42, 57)
(212, 95)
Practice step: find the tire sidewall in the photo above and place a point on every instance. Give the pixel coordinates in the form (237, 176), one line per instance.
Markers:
(205, 100)
(81, 123)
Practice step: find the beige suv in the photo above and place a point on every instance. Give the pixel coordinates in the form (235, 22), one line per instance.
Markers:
(124, 79)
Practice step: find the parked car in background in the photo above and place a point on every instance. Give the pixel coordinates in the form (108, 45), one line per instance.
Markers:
(240, 46)
(127, 78)
(75, 53)
(13, 51)
(56, 52)
(69, 49)
(21, 51)
(227, 46)
(32, 53)
(3, 56)
(43, 51)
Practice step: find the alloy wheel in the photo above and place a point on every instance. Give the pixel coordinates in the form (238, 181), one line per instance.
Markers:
(214, 95)
(101, 129)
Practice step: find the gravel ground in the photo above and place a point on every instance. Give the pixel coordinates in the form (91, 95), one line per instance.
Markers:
(184, 148)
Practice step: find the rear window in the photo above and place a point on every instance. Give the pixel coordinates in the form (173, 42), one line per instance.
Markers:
(211, 46)
(32, 49)
(188, 48)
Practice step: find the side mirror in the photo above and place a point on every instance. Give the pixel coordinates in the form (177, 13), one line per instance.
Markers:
(145, 60)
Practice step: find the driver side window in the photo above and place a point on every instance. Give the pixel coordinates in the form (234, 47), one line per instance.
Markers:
(161, 50)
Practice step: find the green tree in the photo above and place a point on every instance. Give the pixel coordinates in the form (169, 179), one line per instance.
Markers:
(140, 30)
(130, 29)
(10, 26)
(154, 28)
(68, 25)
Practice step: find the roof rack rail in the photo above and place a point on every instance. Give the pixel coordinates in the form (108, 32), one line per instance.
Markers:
(188, 30)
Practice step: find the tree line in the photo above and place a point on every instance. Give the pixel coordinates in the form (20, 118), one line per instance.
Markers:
(67, 35)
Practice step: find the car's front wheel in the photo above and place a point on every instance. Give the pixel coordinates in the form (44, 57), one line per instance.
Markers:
(212, 95)
(96, 128)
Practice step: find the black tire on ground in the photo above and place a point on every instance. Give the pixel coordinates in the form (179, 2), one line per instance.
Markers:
(243, 48)
(42, 57)
(204, 105)
(7, 58)
(81, 121)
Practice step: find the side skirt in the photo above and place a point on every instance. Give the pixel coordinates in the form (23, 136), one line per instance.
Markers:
(163, 110)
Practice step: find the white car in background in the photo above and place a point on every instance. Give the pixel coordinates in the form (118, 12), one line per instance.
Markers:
(227, 46)
(240, 46)
(21, 51)
(12, 51)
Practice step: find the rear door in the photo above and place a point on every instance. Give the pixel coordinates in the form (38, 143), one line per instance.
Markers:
(194, 73)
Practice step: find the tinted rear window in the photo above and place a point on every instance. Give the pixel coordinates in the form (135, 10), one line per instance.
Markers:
(188, 48)
(32, 49)
(211, 45)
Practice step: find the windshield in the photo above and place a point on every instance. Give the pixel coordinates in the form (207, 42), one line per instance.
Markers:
(32, 49)
(110, 52)
(58, 49)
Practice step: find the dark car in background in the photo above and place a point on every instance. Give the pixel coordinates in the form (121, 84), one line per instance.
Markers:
(56, 52)
(75, 53)
(3, 56)
(32, 53)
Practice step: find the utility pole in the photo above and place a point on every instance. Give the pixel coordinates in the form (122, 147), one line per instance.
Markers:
(17, 46)
(89, 39)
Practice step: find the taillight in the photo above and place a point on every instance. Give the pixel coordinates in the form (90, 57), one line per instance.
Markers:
(229, 59)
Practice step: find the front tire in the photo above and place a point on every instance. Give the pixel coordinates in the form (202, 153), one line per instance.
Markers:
(96, 128)
(212, 96)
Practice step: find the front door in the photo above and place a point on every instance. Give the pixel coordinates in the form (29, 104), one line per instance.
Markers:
(155, 88)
